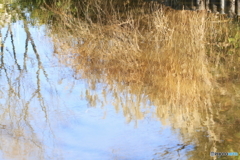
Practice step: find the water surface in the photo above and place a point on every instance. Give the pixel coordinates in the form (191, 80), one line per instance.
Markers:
(54, 108)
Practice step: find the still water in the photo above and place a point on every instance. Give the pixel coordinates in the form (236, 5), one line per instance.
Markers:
(44, 114)
(50, 109)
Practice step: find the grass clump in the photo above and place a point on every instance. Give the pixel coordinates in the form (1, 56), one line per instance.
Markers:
(159, 48)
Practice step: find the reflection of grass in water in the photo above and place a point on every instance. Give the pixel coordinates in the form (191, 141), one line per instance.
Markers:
(164, 54)
(171, 58)
(160, 55)
(168, 55)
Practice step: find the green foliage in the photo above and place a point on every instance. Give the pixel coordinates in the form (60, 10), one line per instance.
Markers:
(234, 41)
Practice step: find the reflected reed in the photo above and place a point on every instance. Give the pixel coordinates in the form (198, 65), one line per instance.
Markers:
(171, 65)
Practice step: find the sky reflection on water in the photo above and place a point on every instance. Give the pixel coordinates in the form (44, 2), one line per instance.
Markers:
(46, 118)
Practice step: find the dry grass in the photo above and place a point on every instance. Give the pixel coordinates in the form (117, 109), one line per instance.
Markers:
(172, 57)
(164, 52)
(174, 60)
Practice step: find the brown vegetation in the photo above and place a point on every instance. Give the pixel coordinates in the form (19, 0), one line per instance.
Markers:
(178, 61)
(164, 50)
(170, 54)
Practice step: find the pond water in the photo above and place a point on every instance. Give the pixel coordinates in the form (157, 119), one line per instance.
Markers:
(51, 111)
(43, 115)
